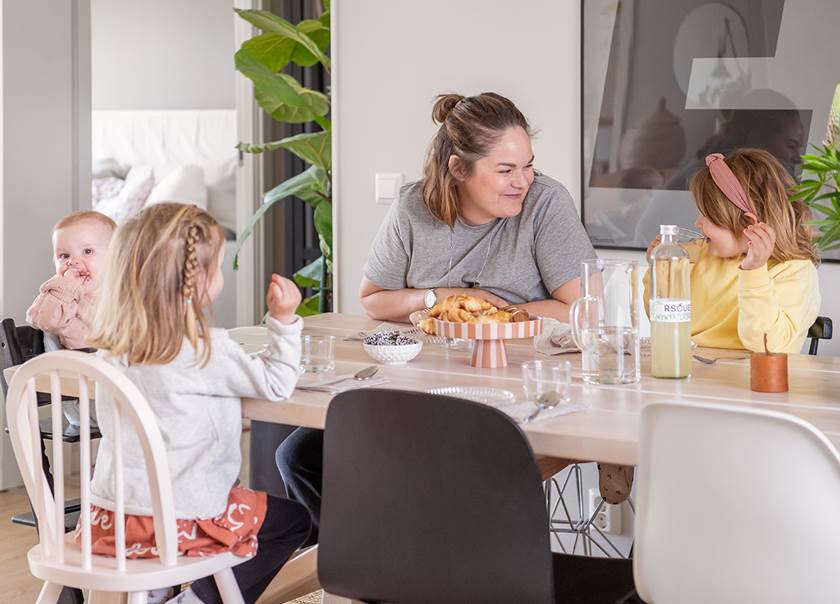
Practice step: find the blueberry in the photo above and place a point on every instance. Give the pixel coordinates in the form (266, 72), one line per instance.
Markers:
(388, 338)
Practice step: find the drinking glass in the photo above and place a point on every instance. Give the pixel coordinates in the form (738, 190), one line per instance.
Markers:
(691, 241)
(547, 377)
(317, 354)
(605, 322)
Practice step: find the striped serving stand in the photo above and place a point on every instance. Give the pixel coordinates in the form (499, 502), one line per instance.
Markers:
(489, 351)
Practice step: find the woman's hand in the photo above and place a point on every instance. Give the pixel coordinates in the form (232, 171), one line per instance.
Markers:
(761, 241)
(444, 292)
(282, 298)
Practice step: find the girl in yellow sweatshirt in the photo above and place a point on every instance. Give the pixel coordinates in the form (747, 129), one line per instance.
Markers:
(756, 272)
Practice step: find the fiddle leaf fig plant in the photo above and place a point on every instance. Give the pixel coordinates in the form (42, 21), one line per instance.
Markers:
(819, 187)
(261, 59)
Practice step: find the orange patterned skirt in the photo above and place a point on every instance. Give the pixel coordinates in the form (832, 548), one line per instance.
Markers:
(235, 530)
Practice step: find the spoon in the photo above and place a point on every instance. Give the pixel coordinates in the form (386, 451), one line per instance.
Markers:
(708, 361)
(547, 400)
(361, 375)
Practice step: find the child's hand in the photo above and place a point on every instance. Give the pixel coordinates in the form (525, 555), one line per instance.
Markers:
(72, 272)
(283, 297)
(761, 240)
(657, 240)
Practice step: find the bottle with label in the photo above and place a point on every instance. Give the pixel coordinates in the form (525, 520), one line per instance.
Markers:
(670, 307)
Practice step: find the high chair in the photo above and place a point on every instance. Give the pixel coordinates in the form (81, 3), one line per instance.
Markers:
(57, 560)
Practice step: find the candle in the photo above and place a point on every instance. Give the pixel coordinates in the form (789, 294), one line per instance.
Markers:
(768, 371)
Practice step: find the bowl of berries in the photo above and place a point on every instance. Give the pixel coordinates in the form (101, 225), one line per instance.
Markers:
(391, 347)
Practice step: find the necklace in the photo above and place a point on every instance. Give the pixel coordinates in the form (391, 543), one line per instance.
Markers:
(474, 282)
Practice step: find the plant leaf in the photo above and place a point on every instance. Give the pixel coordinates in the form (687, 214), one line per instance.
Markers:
(310, 306)
(323, 221)
(316, 103)
(275, 89)
(272, 50)
(310, 275)
(311, 178)
(313, 147)
(271, 23)
(319, 34)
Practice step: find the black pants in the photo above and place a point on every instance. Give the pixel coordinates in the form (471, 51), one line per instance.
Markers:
(285, 528)
(300, 459)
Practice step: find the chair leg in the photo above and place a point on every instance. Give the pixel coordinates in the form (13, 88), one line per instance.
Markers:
(49, 593)
(138, 597)
(228, 587)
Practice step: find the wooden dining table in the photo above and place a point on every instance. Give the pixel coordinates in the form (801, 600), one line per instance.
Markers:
(608, 429)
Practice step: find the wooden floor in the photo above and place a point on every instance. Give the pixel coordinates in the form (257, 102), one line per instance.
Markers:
(17, 585)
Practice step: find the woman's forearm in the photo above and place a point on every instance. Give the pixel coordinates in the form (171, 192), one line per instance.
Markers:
(547, 308)
(393, 305)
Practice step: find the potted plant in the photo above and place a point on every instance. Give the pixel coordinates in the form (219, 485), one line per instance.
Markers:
(261, 59)
(819, 187)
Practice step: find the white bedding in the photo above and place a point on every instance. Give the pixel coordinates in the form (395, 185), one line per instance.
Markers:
(172, 144)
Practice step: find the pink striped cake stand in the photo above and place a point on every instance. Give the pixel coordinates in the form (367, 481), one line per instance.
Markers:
(489, 351)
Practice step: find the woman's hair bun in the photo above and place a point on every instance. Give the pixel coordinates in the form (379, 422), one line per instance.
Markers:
(443, 105)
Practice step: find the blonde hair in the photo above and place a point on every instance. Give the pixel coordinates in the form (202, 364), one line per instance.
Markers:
(160, 265)
(767, 185)
(469, 127)
(83, 216)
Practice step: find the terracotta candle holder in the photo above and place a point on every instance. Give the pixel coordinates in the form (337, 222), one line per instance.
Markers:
(768, 371)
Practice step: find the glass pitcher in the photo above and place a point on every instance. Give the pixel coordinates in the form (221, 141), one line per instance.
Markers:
(605, 321)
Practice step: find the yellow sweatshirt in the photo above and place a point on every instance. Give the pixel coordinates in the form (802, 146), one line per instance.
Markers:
(734, 308)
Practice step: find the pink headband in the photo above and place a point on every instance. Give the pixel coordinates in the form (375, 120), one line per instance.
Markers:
(728, 184)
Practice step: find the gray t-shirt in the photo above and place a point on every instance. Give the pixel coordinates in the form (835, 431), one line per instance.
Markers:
(520, 259)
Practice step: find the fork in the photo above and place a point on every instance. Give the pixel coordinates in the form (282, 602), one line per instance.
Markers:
(708, 361)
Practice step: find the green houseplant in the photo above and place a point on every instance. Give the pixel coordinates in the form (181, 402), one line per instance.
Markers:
(820, 184)
(261, 59)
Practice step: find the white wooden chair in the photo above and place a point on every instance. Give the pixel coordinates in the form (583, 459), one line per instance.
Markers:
(56, 559)
(735, 505)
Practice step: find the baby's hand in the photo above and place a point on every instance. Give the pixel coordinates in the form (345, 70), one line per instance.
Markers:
(761, 240)
(283, 297)
(73, 273)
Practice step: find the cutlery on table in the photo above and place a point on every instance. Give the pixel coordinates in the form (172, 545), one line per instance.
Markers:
(359, 376)
(547, 400)
(710, 361)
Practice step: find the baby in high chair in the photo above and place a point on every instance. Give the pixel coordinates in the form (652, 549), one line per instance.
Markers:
(65, 304)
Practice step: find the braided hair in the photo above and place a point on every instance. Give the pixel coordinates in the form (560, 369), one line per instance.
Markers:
(161, 265)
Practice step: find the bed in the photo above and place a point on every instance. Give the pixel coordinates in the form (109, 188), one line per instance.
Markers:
(140, 157)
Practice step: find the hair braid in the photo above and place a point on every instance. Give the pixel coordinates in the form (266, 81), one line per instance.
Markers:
(188, 280)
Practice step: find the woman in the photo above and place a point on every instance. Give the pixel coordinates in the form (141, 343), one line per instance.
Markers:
(481, 221)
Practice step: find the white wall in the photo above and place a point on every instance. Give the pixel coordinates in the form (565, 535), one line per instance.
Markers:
(392, 58)
(386, 75)
(45, 122)
(162, 54)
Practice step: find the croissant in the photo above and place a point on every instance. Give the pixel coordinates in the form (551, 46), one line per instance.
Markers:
(470, 309)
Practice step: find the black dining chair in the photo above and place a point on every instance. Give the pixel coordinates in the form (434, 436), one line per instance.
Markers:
(436, 499)
(820, 330)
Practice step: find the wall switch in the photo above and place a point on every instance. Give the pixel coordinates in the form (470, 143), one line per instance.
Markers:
(388, 187)
(608, 518)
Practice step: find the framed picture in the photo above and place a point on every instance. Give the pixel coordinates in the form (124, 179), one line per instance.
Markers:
(666, 82)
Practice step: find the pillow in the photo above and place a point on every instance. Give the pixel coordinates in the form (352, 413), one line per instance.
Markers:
(221, 190)
(138, 184)
(108, 167)
(183, 185)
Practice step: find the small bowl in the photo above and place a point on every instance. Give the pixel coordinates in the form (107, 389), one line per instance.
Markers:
(393, 355)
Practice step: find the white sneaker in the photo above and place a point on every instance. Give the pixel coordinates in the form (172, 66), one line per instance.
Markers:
(185, 597)
(160, 596)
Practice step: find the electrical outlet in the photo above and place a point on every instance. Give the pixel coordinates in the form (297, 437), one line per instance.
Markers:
(608, 518)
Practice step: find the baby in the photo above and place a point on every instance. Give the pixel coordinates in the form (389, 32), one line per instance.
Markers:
(65, 305)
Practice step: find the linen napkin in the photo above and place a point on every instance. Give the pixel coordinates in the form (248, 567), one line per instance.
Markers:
(556, 338)
(335, 384)
(519, 410)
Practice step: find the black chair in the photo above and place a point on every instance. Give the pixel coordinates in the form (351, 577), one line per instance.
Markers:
(436, 499)
(820, 330)
(18, 344)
